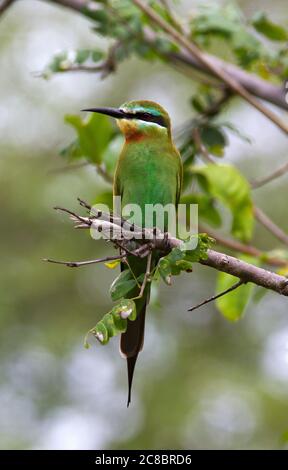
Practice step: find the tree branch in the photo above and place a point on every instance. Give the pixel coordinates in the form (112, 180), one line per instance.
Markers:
(242, 248)
(255, 85)
(270, 225)
(266, 179)
(4, 5)
(246, 272)
(193, 49)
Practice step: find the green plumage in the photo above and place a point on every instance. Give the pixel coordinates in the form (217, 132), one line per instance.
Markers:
(149, 171)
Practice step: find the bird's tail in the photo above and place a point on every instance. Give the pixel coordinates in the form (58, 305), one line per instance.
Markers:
(132, 340)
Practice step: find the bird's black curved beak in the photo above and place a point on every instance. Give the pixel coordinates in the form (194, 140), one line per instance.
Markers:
(114, 112)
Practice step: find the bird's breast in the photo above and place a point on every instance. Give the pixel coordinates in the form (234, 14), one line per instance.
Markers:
(147, 175)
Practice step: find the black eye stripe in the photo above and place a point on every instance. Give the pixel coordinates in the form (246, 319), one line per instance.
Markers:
(142, 116)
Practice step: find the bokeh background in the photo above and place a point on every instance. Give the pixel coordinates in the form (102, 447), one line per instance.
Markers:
(200, 382)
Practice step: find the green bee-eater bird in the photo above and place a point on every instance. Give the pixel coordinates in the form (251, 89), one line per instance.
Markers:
(149, 171)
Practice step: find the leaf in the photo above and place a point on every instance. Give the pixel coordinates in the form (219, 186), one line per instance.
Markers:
(82, 55)
(126, 309)
(114, 322)
(237, 132)
(122, 285)
(216, 20)
(213, 139)
(73, 151)
(112, 264)
(226, 22)
(206, 208)
(232, 305)
(271, 30)
(94, 134)
(200, 243)
(182, 258)
(227, 184)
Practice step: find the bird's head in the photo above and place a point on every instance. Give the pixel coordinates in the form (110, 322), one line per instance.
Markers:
(138, 119)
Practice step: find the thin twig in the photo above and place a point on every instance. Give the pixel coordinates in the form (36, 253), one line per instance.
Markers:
(75, 216)
(65, 168)
(105, 175)
(77, 264)
(109, 217)
(172, 16)
(215, 297)
(147, 274)
(270, 225)
(193, 49)
(4, 5)
(282, 170)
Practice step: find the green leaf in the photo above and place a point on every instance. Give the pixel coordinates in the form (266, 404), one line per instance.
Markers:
(73, 151)
(114, 322)
(201, 244)
(227, 22)
(82, 55)
(213, 139)
(126, 309)
(237, 132)
(94, 134)
(227, 184)
(164, 269)
(232, 305)
(182, 258)
(122, 285)
(217, 20)
(271, 30)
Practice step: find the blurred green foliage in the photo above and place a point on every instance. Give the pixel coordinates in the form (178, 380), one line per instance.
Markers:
(202, 382)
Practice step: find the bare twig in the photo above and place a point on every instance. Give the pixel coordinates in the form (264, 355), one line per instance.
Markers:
(172, 16)
(74, 216)
(65, 168)
(282, 170)
(217, 296)
(109, 217)
(270, 225)
(193, 49)
(77, 264)
(4, 5)
(242, 248)
(102, 172)
(147, 274)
